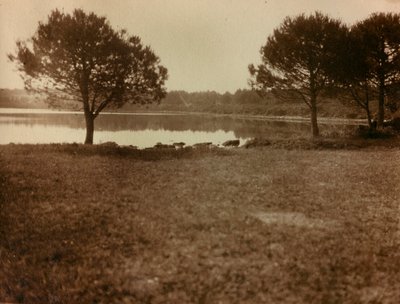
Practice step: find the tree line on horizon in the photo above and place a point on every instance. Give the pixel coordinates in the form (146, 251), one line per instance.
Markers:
(80, 57)
(242, 101)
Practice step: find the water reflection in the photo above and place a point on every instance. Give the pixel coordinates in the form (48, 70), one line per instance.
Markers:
(144, 130)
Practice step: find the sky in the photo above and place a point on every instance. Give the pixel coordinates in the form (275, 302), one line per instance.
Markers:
(205, 44)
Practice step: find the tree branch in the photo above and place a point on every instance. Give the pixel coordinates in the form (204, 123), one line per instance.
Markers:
(103, 104)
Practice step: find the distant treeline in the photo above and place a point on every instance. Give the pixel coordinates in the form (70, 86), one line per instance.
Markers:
(247, 102)
(20, 99)
(240, 102)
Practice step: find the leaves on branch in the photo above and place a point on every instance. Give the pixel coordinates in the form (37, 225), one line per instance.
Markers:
(298, 57)
(80, 56)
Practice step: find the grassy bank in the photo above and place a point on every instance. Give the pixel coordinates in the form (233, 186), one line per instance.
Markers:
(281, 224)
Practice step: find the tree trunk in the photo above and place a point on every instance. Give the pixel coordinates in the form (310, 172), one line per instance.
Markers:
(370, 125)
(314, 122)
(89, 128)
(381, 107)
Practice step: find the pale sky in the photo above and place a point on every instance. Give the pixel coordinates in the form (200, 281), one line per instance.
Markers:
(205, 44)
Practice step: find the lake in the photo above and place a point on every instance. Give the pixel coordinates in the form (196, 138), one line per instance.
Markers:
(147, 129)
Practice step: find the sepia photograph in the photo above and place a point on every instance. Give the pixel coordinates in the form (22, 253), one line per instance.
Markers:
(200, 151)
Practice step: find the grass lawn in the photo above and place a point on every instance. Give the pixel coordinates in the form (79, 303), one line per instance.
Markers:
(265, 225)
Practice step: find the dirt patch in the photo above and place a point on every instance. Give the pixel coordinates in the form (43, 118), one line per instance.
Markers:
(294, 219)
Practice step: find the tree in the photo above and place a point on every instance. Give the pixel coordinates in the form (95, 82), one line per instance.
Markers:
(353, 74)
(380, 36)
(297, 59)
(80, 56)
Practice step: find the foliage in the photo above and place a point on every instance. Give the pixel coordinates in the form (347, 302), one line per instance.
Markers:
(241, 102)
(297, 59)
(80, 56)
(353, 74)
(212, 101)
(379, 36)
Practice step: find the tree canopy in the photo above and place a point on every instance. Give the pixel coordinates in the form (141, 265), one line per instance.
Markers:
(380, 37)
(80, 56)
(369, 68)
(297, 59)
(352, 74)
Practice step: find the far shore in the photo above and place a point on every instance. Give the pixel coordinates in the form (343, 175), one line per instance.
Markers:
(322, 120)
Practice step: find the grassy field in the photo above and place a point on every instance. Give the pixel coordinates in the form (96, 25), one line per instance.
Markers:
(315, 224)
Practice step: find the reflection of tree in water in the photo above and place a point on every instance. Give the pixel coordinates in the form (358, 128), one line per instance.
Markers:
(242, 127)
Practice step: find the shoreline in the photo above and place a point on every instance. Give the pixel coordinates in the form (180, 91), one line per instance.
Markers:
(301, 143)
(297, 119)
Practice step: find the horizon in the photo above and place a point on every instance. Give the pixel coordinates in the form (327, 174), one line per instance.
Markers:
(205, 46)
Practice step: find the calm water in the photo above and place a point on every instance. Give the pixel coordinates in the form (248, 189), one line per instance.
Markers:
(142, 130)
